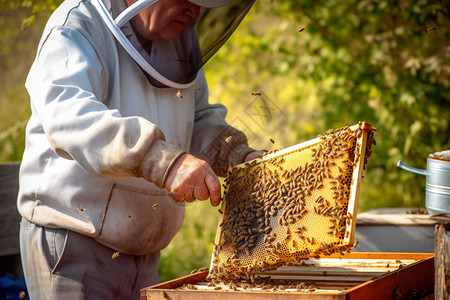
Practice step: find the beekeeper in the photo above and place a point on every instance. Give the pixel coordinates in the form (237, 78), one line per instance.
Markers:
(121, 135)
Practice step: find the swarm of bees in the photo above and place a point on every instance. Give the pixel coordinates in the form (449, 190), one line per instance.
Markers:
(290, 205)
(261, 283)
(204, 269)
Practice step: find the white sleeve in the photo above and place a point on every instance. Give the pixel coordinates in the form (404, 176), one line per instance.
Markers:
(68, 84)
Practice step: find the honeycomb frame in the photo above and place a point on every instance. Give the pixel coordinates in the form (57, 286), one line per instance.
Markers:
(291, 204)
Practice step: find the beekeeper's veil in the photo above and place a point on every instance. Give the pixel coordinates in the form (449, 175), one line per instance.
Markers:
(175, 63)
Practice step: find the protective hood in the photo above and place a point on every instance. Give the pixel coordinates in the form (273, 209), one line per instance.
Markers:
(175, 63)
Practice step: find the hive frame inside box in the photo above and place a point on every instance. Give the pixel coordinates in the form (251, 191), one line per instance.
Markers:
(359, 276)
(347, 241)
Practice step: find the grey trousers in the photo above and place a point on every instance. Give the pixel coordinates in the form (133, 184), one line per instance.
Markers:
(61, 264)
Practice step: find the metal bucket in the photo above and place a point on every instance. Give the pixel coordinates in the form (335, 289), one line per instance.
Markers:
(437, 190)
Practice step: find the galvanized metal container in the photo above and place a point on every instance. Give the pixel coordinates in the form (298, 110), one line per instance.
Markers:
(437, 190)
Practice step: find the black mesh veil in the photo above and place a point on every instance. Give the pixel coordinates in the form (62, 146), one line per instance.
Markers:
(175, 63)
(215, 25)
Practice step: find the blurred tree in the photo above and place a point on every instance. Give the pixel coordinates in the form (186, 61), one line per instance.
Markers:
(17, 49)
(332, 64)
(317, 65)
(327, 64)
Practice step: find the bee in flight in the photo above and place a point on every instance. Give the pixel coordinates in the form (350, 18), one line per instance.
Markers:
(179, 95)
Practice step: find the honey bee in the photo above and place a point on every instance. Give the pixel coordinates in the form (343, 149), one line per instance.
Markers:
(163, 295)
(301, 29)
(179, 95)
(272, 141)
(80, 208)
(155, 205)
(22, 294)
(431, 28)
(256, 94)
(115, 255)
(228, 139)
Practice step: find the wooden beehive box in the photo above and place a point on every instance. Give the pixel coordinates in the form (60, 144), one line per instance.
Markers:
(352, 276)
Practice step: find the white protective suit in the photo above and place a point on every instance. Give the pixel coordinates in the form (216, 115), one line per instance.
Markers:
(101, 139)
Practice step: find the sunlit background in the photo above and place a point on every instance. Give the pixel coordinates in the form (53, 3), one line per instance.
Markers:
(317, 66)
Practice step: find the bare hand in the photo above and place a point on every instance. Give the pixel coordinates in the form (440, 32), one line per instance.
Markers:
(191, 178)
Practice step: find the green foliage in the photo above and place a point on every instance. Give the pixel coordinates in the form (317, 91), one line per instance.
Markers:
(192, 246)
(17, 49)
(35, 9)
(12, 141)
(383, 62)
